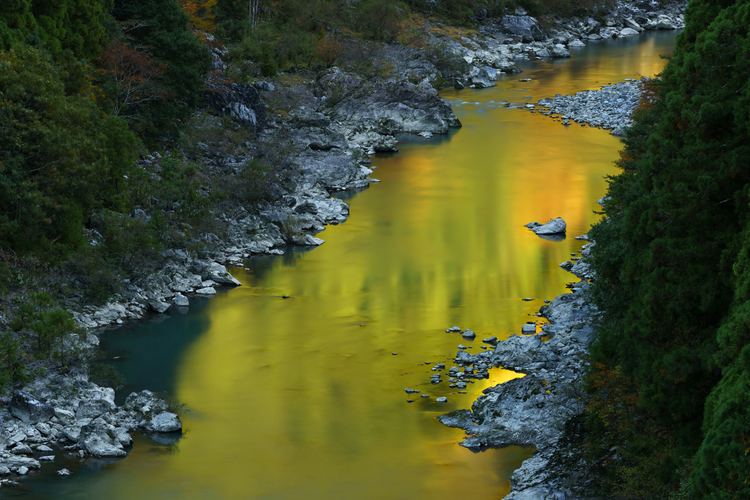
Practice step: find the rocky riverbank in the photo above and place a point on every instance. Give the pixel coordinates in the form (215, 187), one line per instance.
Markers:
(609, 107)
(533, 409)
(323, 130)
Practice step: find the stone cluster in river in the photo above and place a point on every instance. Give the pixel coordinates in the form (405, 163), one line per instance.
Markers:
(609, 107)
(532, 409)
(68, 414)
(477, 62)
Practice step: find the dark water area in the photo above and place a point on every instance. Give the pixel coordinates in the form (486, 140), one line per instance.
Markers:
(303, 398)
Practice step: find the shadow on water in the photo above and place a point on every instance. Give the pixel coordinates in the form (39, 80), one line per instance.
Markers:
(148, 351)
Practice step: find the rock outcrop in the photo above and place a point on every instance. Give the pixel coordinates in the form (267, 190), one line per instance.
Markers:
(68, 415)
(532, 409)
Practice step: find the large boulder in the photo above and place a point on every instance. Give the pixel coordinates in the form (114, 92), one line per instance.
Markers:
(93, 409)
(30, 410)
(144, 403)
(241, 101)
(555, 226)
(526, 27)
(163, 422)
(98, 442)
(385, 107)
(219, 274)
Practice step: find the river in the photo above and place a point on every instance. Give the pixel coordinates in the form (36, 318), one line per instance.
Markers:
(303, 398)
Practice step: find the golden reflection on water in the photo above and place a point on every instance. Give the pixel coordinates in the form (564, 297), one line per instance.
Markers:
(304, 398)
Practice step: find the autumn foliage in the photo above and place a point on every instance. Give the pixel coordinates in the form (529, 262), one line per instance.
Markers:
(136, 77)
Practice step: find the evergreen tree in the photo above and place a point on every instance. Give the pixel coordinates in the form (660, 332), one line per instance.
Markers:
(665, 256)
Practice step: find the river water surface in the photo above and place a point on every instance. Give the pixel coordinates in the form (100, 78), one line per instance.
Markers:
(303, 398)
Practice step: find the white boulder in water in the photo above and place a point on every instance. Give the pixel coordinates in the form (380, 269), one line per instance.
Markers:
(555, 226)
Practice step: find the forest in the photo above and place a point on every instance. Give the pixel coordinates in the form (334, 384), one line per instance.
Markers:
(670, 377)
(87, 87)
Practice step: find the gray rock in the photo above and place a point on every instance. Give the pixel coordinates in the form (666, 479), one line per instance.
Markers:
(163, 422)
(468, 334)
(65, 416)
(93, 409)
(22, 471)
(555, 226)
(158, 306)
(206, 292)
(63, 473)
(97, 441)
(30, 410)
(145, 403)
(219, 274)
(21, 449)
(526, 27)
(181, 301)
(442, 400)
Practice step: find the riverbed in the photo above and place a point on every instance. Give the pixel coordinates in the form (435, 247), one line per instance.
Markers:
(303, 397)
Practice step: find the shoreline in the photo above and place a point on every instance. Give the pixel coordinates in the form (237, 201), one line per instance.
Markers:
(79, 405)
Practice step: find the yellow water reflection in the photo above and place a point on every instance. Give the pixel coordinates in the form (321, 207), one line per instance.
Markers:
(304, 398)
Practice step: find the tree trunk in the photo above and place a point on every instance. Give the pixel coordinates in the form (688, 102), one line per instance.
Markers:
(253, 12)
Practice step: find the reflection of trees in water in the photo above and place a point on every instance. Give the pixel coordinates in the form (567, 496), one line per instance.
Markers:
(261, 265)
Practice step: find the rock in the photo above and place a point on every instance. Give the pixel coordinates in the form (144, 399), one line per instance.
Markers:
(457, 418)
(555, 226)
(21, 449)
(65, 416)
(47, 458)
(96, 440)
(28, 409)
(158, 306)
(44, 449)
(22, 471)
(442, 400)
(4, 471)
(93, 409)
(576, 43)
(528, 329)
(63, 473)
(454, 329)
(628, 32)
(144, 402)
(72, 432)
(181, 301)
(219, 274)
(411, 391)
(206, 292)
(526, 27)
(490, 340)
(122, 435)
(241, 101)
(468, 334)
(163, 422)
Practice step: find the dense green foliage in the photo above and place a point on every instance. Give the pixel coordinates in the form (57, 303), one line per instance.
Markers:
(672, 254)
(76, 25)
(60, 157)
